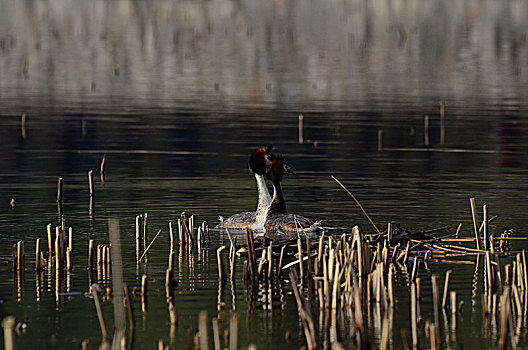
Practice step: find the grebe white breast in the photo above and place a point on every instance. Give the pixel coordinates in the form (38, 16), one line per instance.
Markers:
(277, 217)
(258, 160)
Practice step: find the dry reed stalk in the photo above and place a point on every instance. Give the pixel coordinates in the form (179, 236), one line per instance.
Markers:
(171, 235)
(38, 264)
(300, 250)
(301, 129)
(202, 329)
(270, 261)
(407, 345)
(406, 256)
(128, 303)
(99, 254)
(308, 254)
(319, 255)
(233, 332)
(281, 259)
(251, 253)
(68, 260)
(414, 317)
(504, 318)
(525, 272)
(442, 123)
(415, 269)
(103, 163)
(138, 237)
(181, 237)
(145, 234)
(232, 262)
(453, 297)
(446, 286)
(489, 273)
(144, 293)
(93, 290)
(262, 262)
(391, 286)
(57, 255)
(436, 306)
(8, 325)
(91, 183)
(475, 225)
(90, 254)
(220, 256)
(59, 190)
(458, 230)
(304, 311)
(485, 224)
(172, 313)
(70, 238)
(426, 130)
(50, 240)
(150, 245)
(216, 335)
(357, 202)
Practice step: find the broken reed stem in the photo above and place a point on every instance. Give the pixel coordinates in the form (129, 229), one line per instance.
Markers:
(38, 262)
(144, 293)
(442, 123)
(91, 183)
(103, 163)
(414, 317)
(485, 224)
(202, 329)
(146, 250)
(220, 256)
(357, 202)
(426, 130)
(453, 297)
(59, 190)
(8, 324)
(145, 233)
(301, 129)
(475, 224)
(251, 254)
(446, 286)
(70, 238)
(504, 318)
(93, 289)
(216, 335)
(300, 251)
(304, 311)
(130, 311)
(233, 332)
(458, 230)
(68, 260)
(138, 237)
(281, 259)
(90, 254)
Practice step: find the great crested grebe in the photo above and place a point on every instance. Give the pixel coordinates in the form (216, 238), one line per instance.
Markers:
(258, 160)
(277, 217)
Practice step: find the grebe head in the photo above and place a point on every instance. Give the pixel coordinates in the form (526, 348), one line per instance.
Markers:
(276, 171)
(259, 159)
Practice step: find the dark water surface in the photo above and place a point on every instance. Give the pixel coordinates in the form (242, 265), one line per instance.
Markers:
(177, 93)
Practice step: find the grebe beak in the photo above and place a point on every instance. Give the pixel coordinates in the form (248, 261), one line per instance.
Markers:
(288, 169)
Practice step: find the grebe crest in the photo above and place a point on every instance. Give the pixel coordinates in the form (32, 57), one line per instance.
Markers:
(277, 217)
(257, 162)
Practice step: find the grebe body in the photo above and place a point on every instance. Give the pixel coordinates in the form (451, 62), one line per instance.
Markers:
(277, 217)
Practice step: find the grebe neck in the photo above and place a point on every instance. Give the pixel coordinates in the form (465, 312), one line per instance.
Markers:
(278, 205)
(264, 198)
